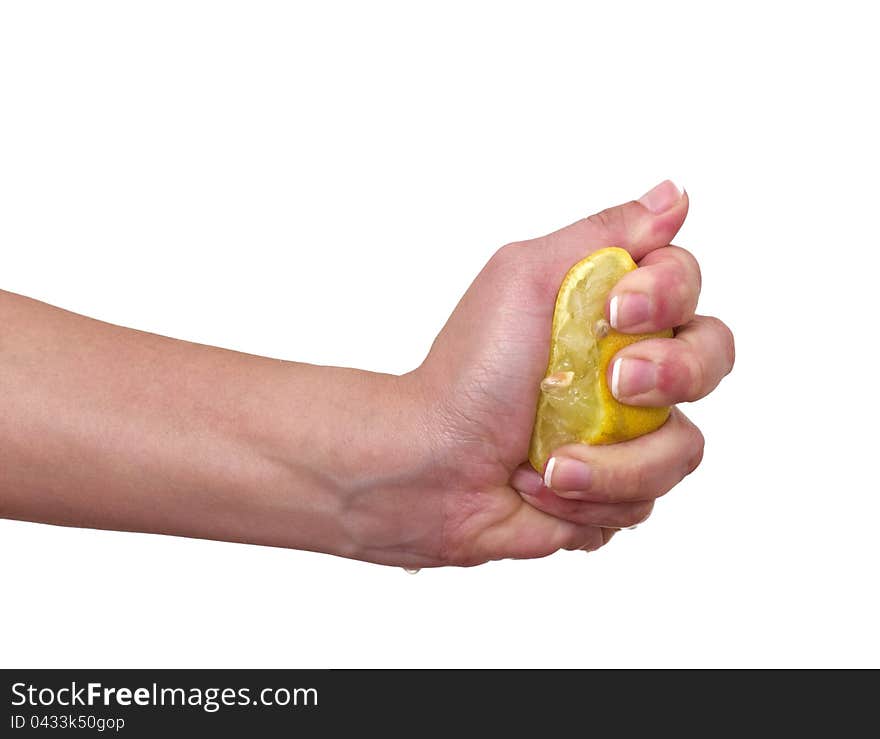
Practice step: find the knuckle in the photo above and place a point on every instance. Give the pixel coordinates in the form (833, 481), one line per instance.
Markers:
(669, 374)
(693, 374)
(690, 264)
(508, 261)
(683, 289)
(675, 293)
(634, 483)
(637, 514)
(505, 254)
(697, 449)
(681, 376)
(616, 482)
(724, 338)
(728, 341)
(603, 220)
(614, 223)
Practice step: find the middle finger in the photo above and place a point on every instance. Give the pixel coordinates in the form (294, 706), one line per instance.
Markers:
(661, 372)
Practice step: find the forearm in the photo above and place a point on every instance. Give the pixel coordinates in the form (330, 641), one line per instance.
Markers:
(106, 427)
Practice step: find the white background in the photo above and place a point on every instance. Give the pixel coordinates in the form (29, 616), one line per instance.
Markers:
(321, 181)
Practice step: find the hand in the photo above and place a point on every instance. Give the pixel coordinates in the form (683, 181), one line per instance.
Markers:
(482, 375)
(421, 470)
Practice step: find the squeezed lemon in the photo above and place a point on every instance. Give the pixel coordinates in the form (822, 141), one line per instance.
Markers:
(575, 403)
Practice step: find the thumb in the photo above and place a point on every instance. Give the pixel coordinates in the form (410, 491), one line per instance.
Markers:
(639, 226)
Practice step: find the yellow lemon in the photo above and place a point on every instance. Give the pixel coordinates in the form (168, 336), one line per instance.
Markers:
(576, 404)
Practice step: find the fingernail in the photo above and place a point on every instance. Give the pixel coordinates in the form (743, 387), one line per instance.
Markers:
(562, 473)
(662, 197)
(526, 482)
(628, 310)
(548, 472)
(632, 377)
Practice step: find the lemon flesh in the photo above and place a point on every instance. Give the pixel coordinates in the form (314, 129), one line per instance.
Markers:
(575, 403)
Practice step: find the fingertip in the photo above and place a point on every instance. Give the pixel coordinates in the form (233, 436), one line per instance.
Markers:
(627, 309)
(635, 380)
(662, 197)
(526, 481)
(565, 475)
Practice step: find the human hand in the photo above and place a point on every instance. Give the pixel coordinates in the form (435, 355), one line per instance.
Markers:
(425, 469)
(482, 375)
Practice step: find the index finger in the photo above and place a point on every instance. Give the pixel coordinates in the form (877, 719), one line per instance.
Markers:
(662, 293)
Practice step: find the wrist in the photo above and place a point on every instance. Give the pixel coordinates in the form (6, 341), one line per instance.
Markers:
(390, 497)
(351, 458)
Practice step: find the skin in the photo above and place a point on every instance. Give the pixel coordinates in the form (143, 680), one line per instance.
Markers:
(107, 427)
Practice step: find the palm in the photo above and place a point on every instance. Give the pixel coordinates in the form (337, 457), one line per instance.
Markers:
(497, 341)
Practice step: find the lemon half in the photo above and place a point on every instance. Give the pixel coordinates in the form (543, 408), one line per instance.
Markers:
(575, 403)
